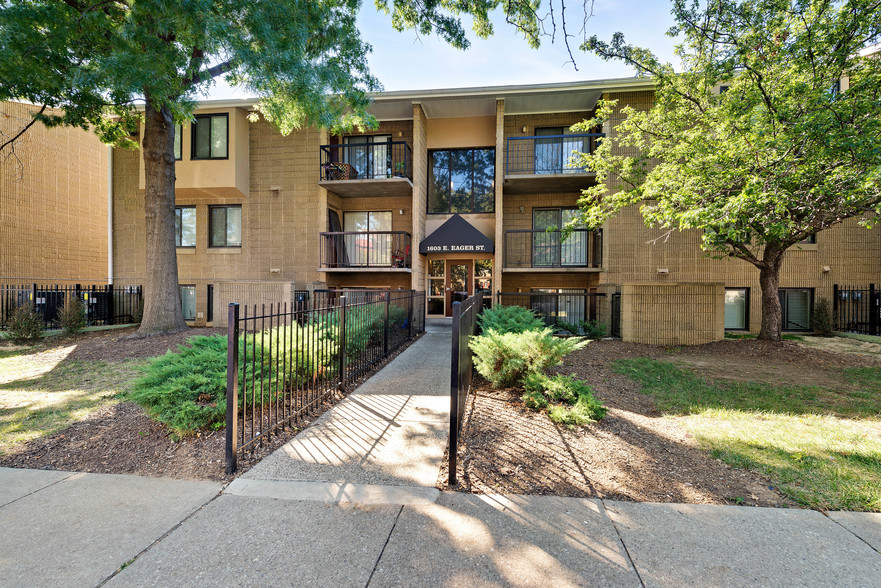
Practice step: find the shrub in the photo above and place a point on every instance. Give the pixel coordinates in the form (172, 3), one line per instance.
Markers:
(568, 327)
(822, 321)
(509, 319)
(25, 324)
(72, 315)
(506, 358)
(593, 329)
(575, 403)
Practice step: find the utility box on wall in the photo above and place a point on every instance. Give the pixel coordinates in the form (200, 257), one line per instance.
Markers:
(673, 314)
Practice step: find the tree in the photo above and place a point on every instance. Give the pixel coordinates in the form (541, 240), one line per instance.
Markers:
(89, 63)
(771, 133)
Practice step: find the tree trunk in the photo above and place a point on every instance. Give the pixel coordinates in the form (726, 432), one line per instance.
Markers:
(769, 280)
(162, 306)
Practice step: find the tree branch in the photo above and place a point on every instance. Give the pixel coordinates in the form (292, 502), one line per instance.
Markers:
(33, 120)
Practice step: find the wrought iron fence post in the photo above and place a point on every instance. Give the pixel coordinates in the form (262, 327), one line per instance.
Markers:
(232, 387)
(34, 297)
(454, 394)
(873, 311)
(342, 342)
(410, 314)
(835, 324)
(388, 302)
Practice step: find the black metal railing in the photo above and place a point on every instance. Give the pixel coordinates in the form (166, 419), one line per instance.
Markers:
(547, 249)
(283, 362)
(367, 249)
(615, 326)
(366, 161)
(548, 154)
(857, 309)
(461, 369)
(555, 307)
(104, 304)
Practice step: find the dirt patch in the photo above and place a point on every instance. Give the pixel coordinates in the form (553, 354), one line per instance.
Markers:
(634, 453)
(844, 345)
(119, 438)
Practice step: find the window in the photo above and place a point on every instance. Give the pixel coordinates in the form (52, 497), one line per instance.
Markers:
(483, 279)
(723, 89)
(809, 240)
(548, 250)
(559, 304)
(373, 246)
(226, 226)
(178, 138)
(210, 136)
(185, 226)
(737, 309)
(461, 180)
(796, 305)
(369, 155)
(188, 302)
(552, 154)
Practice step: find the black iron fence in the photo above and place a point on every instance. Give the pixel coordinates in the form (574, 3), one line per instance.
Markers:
(104, 304)
(857, 309)
(366, 161)
(563, 306)
(547, 249)
(283, 362)
(615, 327)
(547, 154)
(461, 369)
(364, 249)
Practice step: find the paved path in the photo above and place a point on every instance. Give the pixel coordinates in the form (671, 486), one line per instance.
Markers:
(351, 502)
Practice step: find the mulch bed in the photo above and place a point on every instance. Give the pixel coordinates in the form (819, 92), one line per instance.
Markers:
(632, 454)
(121, 439)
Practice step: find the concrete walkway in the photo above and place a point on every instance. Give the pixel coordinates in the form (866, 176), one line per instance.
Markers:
(351, 502)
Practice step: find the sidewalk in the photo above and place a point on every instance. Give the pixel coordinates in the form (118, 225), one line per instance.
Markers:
(351, 502)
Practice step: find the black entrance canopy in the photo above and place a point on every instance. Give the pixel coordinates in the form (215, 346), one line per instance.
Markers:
(456, 236)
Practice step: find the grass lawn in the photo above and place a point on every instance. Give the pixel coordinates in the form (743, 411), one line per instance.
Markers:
(821, 446)
(43, 392)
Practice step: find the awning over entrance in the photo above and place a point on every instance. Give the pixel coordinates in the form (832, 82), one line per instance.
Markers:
(456, 236)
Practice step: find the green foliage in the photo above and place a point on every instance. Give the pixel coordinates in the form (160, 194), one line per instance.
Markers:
(509, 319)
(506, 358)
(821, 320)
(590, 328)
(574, 403)
(25, 324)
(782, 154)
(72, 315)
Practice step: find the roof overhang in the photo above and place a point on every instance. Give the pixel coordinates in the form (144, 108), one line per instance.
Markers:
(456, 235)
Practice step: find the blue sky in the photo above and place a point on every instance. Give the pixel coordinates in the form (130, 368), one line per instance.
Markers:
(407, 61)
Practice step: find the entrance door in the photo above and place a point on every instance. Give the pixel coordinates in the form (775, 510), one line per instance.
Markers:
(458, 282)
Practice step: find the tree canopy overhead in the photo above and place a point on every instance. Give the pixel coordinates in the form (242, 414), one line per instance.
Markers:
(770, 133)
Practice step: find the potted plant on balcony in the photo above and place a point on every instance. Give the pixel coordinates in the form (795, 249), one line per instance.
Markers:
(400, 168)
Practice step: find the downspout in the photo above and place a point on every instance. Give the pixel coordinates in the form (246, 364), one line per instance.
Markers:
(110, 214)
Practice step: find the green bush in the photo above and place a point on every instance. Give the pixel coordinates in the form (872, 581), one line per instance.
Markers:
(822, 321)
(397, 317)
(506, 358)
(509, 319)
(25, 324)
(568, 327)
(72, 315)
(593, 329)
(574, 401)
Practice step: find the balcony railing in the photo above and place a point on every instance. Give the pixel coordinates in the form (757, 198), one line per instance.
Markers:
(365, 249)
(366, 161)
(547, 154)
(547, 249)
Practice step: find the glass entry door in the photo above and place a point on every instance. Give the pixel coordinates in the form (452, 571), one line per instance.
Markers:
(458, 282)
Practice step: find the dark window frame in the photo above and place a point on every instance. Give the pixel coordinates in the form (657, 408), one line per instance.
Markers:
(211, 210)
(784, 309)
(193, 126)
(178, 237)
(449, 209)
(745, 309)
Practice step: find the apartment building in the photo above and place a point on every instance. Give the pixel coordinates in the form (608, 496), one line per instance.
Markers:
(54, 202)
(453, 192)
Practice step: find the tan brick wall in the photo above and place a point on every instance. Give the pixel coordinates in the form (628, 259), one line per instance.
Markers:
(258, 297)
(53, 202)
(672, 314)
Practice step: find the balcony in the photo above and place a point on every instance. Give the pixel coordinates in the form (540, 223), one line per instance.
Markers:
(367, 169)
(546, 251)
(540, 164)
(360, 251)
